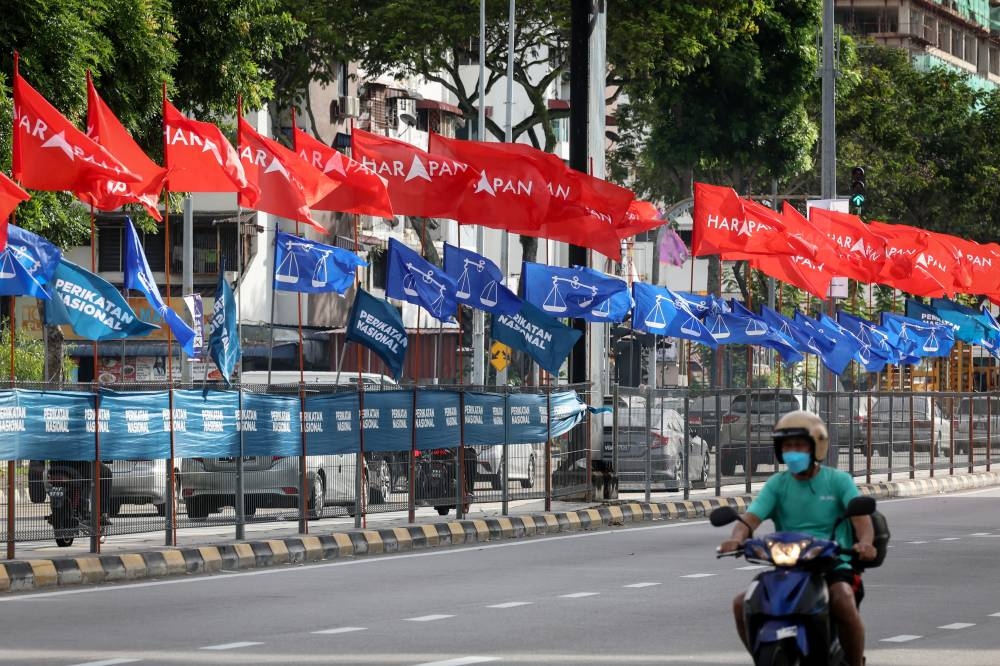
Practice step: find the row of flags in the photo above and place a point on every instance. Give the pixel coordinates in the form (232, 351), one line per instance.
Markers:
(514, 187)
(809, 253)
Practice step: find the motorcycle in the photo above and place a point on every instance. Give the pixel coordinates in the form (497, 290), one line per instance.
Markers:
(70, 502)
(787, 608)
(436, 472)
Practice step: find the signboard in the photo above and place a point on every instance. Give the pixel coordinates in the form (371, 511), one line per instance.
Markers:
(499, 356)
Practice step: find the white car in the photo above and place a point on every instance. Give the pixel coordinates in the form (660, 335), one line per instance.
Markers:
(522, 464)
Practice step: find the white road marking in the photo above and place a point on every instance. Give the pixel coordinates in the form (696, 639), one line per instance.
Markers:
(958, 625)
(428, 618)
(699, 575)
(752, 567)
(340, 630)
(108, 662)
(511, 604)
(994, 614)
(949, 539)
(916, 542)
(230, 646)
(579, 595)
(902, 638)
(636, 585)
(980, 534)
(460, 661)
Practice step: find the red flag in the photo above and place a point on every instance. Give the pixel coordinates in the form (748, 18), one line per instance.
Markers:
(912, 262)
(947, 248)
(421, 184)
(641, 216)
(825, 250)
(800, 272)
(361, 191)
(862, 248)
(722, 226)
(288, 184)
(105, 129)
(51, 154)
(512, 190)
(200, 159)
(983, 264)
(10, 196)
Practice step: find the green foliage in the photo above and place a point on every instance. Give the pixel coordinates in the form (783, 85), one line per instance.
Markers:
(29, 357)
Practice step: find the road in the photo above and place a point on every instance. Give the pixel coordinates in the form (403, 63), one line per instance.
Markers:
(631, 595)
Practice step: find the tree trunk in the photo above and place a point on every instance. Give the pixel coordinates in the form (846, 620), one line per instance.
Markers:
(529, 248)
(53, 337)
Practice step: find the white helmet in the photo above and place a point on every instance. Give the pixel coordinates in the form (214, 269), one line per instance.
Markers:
(803, 424)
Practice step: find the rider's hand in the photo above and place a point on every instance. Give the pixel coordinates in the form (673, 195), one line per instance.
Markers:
(730, 545)
(865, 551)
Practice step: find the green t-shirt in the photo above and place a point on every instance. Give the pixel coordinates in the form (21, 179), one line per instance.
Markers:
(811, 506)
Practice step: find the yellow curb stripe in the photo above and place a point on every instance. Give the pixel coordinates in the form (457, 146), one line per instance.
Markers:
(706, 507)
(654, 510)
(529, 525)
(374, 540)
(574, 518)
(44, 572)
(551, 521)
(482, 529)
(616, 513)
(135, 566)
(244, 553)
(672, 509)
(174, 560)
(457, 531)
(344, 543)
(313, 547)
(211, 557)
(636, 509)
(506, 527)
(431, 535)
(403, 539)
(4, 578)
(279, 551)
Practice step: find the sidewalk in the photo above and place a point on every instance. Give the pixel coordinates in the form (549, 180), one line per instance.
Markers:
(213, 549)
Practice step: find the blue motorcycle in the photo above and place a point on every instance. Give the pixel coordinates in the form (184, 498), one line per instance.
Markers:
(787, 609)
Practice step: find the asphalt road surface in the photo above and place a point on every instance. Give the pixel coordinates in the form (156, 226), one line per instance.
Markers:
(631, 595)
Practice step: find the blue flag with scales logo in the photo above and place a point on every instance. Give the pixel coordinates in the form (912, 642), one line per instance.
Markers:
(662, 312)
(568, 292)
(306, 266)
(479, 282)
(413, 279)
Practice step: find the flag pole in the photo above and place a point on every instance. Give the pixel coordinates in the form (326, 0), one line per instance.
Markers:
(170, 537)
(361, 516)
(11, 465)
(240, 508)
(303, 468)
(95, 538)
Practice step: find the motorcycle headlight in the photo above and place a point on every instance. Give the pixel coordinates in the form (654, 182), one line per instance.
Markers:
(811, 553)
(786, 554)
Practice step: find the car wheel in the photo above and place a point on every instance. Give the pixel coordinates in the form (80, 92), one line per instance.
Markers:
(703, 477)
(443, 510)
(161, 510)
(728, 464)
(496, 481)
(530, 481)
(249, 507)
(379, 493)
(197, 508)
(115, 508)
(317, 497)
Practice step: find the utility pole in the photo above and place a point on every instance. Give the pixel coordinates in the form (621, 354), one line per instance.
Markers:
(579, 91)
(828, 147)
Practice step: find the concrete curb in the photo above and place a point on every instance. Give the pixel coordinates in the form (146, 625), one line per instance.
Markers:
(26, 575)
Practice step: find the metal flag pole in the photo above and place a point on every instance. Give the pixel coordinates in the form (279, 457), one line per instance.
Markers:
(238, 295)
(303, 467)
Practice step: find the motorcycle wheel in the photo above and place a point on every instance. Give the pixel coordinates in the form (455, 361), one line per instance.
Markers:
(64, 542)
(782, 653)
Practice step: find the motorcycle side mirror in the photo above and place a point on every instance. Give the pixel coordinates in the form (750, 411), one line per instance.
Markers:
(860, 506)
(723, 516)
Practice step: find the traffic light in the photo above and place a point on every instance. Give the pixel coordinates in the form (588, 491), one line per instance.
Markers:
(858, 187)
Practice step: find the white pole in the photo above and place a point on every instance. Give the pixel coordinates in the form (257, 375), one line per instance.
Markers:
(478, 316)
(508, 137)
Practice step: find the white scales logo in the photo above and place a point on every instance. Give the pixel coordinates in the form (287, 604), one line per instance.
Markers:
(20, 254)
(556, 302)
(488, 296)
(720, 331)
(428, 277)
(288, 270)
(655, 319)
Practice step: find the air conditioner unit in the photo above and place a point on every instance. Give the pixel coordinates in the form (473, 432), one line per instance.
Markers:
(350, 106)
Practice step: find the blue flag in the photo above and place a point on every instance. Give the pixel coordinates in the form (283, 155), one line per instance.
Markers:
(835, 355)
(783, 325)
(567, 292)
(876, 344)
(310, 267)
(543, 338)
(741, 326)
(413, 279)
(16, 280)
(918, 339)
(138, 276)
(37, 255)
(615, 309)
(699, 305)
(92, 306)
(224, 340)
(479, 282)
(661, 312)
(842, 337)
(970, 324)
(375, 324)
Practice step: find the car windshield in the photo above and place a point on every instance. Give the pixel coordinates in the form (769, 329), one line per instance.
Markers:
(765, 404)
(900, 407)
(977, 407)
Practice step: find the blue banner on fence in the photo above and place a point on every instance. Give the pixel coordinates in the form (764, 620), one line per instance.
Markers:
(207, 420)
(386, 420)
(272, 425)
(48, 425)
(436, 420)
(138, 425)
(331, 423)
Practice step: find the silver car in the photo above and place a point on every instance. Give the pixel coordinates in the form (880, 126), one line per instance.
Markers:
(521, 464)
(208, 484)
(981, 416)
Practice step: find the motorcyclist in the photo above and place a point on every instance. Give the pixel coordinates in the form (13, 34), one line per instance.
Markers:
(84, 472)
(809, 497)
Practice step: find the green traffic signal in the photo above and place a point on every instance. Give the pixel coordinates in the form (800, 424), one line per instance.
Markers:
(858, 187)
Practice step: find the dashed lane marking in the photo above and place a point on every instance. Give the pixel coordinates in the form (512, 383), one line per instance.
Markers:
(578, 595)
(460, 661)
(699, 575)
(231, 646)
(915, 543)
(340, 630)
(637, 585)
(108, 662)
(752, 567)
(958, 625)
(428, 618)
(511, 604)
(949, 539)
(994, 614)
(902, 638)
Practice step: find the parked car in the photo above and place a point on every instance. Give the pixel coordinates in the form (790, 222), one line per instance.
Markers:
(521, 464)
(980, 415)
(662, 435)
(751, 422)
(705, 415)
(891, 417)
(272, 482)
(140, 482)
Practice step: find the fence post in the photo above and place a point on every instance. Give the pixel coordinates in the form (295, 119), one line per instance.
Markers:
(411, 502)
(504, 490)
(95, 490)
(548, 448)
(304, 470)
(170, 501)
(360, 484)
(240, 505)
(11, 517)
(649, 442)
(687, 450)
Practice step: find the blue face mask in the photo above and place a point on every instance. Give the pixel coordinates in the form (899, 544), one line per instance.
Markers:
(797, 461)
